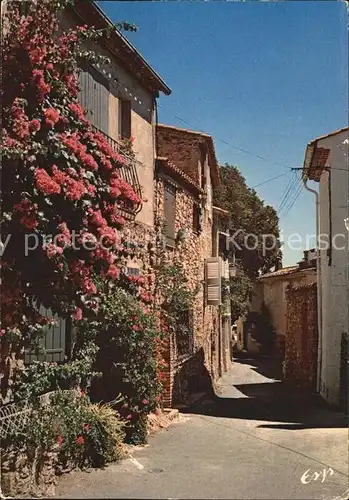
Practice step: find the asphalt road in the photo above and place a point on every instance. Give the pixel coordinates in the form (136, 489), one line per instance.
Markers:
(257, 440)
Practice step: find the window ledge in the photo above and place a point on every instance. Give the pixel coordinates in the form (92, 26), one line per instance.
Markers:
(183, 358)
(170, 244)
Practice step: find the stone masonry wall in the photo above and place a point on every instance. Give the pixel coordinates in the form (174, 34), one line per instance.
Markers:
(140, 240)
(182, 148)
(204, 362)
(301, 337)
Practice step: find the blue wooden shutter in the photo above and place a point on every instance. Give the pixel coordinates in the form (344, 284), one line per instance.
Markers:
(94, 97)
(53, 342)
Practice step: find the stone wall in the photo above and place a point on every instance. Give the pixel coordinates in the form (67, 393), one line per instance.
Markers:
(140, 241)
(206, 319)
(20, 477)
(301, 337)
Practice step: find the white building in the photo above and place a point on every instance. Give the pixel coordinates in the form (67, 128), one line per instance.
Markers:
(326, 163)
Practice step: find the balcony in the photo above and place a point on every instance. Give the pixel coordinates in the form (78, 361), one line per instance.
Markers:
(127, 172)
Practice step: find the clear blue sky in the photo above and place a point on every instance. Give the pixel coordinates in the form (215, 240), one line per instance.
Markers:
(265, 77)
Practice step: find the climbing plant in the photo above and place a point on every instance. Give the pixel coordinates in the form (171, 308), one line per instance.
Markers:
(61, 180)
(60, 228)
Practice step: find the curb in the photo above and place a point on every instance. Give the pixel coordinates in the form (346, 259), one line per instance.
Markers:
(171, 413)
(194, 399)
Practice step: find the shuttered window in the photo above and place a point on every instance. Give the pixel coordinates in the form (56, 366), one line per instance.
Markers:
(196, 218)
(169, 214)
(133, 271)
(213, 281)
(94, 98)
(125, 119)
(53, 343)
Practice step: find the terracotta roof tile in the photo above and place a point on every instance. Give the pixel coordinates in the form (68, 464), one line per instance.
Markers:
(281, 272)
(173, 168)
(315, 159)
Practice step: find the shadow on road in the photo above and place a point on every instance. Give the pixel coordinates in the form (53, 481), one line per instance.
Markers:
(271, 401)
(270, 369)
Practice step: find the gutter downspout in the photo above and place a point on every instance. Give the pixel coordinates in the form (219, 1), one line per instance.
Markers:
(319, 287)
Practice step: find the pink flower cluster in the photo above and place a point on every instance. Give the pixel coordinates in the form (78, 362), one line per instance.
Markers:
(37, 55)
(65, 42)
(64, 236)
(20, 124)
(52, 116)
(53, 250)
(80, 274)
(104, 255)
(72, 84)
(73, 143)
(120, 188)
(45, 183)
(139, 280)
(105, 148)
(34, 125)
(77, 111)
(42, 86)
(145, 296)
(113, 272)
(107, 234)
(28, 211)
(74, 189)
(78, 314)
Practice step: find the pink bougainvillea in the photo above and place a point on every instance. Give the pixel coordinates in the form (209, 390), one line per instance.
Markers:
(61, 177)
(52, 116)
(45, 183)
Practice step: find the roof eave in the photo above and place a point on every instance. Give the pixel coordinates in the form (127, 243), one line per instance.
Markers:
(308, 157)
(161, 85)
(181, 177)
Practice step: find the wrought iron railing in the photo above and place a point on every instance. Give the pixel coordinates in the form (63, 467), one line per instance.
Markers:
(128, 172)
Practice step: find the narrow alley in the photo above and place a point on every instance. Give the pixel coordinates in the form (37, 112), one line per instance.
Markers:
(256, 439)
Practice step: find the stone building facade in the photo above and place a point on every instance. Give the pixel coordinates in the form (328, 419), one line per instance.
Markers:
(270, 291)
(183, 195)
(119, 97)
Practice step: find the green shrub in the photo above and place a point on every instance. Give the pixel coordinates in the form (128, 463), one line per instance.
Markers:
(41, 377)
(82, 434)
(127, 359)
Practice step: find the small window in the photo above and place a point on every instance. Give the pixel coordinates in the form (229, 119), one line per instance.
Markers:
(133, 271)
(125, 119)
(169, 214)
(196, 218)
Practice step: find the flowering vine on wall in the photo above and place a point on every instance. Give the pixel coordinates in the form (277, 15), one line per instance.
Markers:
(63, 246)
(61, 179)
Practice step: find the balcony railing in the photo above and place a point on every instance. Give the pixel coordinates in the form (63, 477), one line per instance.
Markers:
(127, 172)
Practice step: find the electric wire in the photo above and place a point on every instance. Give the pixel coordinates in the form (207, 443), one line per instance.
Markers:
(245, 151)
(269, 180)
(294, 197)
(288, 192)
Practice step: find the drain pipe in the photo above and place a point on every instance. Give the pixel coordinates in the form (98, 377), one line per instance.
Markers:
(319, 287)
